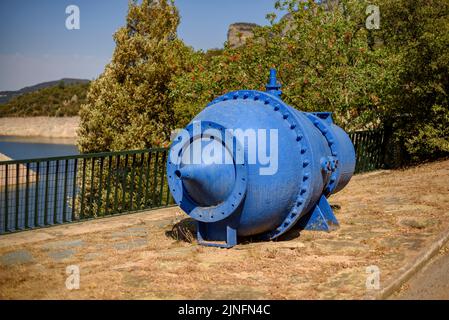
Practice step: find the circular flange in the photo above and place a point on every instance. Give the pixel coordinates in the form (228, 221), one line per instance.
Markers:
(332, 142)
(183, 140)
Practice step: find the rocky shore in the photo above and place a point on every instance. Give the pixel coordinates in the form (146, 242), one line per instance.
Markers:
(47, 127)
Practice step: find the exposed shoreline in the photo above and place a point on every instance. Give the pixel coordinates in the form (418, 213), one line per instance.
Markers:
(45, 127)
(17, 174)
(38, 140)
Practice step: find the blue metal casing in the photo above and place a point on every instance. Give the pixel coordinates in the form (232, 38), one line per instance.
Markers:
(315, 158)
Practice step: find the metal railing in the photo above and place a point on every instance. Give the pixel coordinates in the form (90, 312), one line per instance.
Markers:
(370, 149)
(43, 192)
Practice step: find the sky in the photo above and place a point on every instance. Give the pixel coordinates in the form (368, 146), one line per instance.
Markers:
(36, 46)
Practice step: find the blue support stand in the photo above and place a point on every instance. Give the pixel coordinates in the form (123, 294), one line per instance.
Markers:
(321, 218)
(220, 235)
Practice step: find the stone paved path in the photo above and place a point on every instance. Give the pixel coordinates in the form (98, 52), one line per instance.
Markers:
(431, 283)
(387, 220)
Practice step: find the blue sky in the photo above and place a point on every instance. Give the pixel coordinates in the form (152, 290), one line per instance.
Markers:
(35, 45)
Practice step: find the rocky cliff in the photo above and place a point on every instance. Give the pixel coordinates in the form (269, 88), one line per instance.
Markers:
(238, 33)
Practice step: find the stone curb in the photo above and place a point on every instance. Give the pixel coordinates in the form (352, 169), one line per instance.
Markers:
(405, 273)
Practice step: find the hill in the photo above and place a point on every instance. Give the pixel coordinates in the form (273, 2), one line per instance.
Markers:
(6, 96)
(59, 100)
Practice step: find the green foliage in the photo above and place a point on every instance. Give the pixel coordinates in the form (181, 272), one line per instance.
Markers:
(430, 138)
(323, 58)
(129, 106)
(326, 58)
(416, 34)
(57, 101)
(327, 62)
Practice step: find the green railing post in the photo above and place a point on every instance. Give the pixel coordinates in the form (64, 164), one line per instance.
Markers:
(16, 222)
(55, 202)
(27, 196)
(362, 151)
(125, 182)
(83, 190)
(100, 188)
(380, 150)
(75, 169)
(108, 185)
(46, 194)
(147, 179)
(92, 190)
(117, 179)
(139, 188)
(357, 149)
(64, 192)
(156, 164)
(164, 158)
(131, 189)
(6, 199)
(36, 196)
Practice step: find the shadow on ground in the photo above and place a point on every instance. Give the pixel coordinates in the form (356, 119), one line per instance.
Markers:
(185, 231)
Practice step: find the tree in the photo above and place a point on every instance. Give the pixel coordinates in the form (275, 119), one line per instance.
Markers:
(129, 105)
(323, 57)
(326, 58)
(416, 34)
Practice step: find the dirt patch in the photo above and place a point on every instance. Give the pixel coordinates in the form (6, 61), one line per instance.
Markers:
(386, 219)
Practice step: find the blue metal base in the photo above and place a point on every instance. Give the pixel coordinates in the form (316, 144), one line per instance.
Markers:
(321, 218)
(221, 234)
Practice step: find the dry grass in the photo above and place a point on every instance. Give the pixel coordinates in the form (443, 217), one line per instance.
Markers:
(386, 218)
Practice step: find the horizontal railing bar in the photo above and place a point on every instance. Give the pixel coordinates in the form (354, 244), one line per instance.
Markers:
(127, 213)
(83, 156)
(116, 153)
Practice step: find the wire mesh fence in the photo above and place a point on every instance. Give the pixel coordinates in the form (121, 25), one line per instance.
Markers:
(369, 149)
(44, 192)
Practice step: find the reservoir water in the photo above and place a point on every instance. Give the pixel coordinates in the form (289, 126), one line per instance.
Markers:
(19, 148)
(46, 195)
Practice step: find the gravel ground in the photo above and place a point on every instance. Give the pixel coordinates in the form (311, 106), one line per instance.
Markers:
(387, 218)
